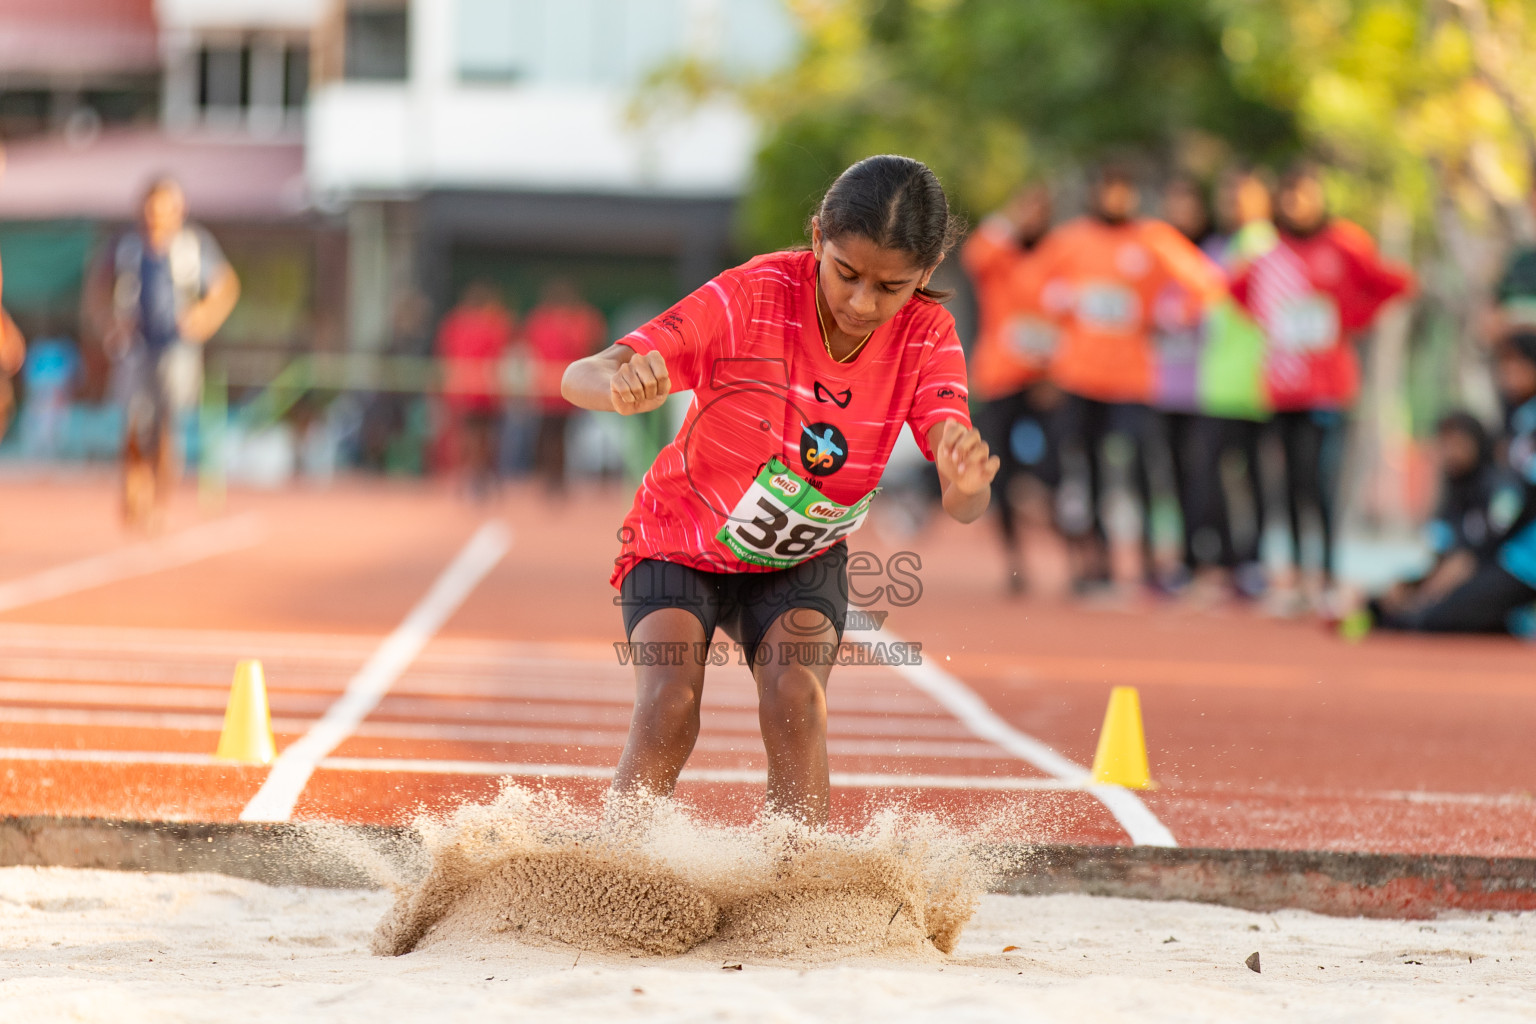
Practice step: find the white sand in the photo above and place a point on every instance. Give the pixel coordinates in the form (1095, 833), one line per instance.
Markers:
(126, 948)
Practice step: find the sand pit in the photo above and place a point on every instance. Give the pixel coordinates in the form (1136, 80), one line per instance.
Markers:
(654, 880)
(127, 948)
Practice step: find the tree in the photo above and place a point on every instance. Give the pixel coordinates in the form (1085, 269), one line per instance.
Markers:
(988, 92)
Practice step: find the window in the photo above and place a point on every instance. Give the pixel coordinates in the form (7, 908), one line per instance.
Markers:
(377, 43)
(223, 77)
(295, 76)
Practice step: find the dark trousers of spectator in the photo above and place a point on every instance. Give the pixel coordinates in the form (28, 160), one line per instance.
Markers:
(1313, 442)
(1197, 445)
(1083, 425)
(1020, 430)
(1481, 605)
(549, 450)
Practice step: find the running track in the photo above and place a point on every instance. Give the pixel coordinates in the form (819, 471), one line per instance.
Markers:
(419, 649)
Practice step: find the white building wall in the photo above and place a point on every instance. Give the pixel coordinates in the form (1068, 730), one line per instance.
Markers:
(536, 94)
(240, 14)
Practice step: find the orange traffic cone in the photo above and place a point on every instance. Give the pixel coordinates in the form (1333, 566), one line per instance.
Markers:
(1121, 759)
(247, 736)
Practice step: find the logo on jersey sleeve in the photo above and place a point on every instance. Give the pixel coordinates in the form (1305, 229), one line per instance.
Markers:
(823, 448)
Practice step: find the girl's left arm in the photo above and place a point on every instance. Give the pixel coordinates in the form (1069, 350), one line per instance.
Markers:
(966, 467)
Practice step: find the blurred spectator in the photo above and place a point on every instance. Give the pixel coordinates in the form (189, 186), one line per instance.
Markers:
(561, 329)
(1465, 530)
(51, 370)
(1500, 580)
(1312, 294)
(471, 341)
(1209, 383)
(1011, 358)
(1100, 276)
(1514, 296)
(161, 290)
(13, 351)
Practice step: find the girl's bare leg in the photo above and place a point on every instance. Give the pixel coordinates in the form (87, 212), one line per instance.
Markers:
(665, 723)
(792, 710)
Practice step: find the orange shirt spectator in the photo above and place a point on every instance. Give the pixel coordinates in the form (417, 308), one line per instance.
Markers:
(1015, 340)
(1100, 279)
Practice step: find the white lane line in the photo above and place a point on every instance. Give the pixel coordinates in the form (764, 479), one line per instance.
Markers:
(581, 739)
(104, 756)
(388, 765)
(184, 548)
(1134, 816)
(754, 776)
(293, 767)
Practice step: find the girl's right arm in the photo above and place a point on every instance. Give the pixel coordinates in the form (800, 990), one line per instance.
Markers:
(617, 379)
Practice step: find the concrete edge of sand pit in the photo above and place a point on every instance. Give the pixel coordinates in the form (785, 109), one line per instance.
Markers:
(1349, 884)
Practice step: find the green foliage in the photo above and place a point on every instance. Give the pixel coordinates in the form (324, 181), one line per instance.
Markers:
(989, 91)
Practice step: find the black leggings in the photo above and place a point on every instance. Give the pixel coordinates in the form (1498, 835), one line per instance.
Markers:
(1196, 446)
(1085, 424)
(1313, 442)
(1021, 431)
(1480, 605)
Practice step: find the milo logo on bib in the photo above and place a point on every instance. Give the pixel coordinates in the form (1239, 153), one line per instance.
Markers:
(782, 520)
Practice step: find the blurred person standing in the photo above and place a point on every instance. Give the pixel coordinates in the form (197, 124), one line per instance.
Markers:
(13, 352)
(1011, 359)
(1210, 382)
(1100, 277)
(470, 343)
(561, 329)
(1313, 293)
(162, 289)
(1514, 295)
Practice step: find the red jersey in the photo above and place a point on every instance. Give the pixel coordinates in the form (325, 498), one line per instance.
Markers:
(748, 345)
(1103, 281)
(1311, 295)
(471, 341)
(559, 335)
(1015, 339)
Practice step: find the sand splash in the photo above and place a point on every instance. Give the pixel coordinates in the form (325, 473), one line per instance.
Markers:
(653, 880)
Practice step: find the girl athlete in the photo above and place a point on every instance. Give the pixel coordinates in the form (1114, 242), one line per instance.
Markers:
(804, 367)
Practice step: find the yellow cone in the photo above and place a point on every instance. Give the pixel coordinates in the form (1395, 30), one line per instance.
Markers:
(1122, 755)
(247, 736)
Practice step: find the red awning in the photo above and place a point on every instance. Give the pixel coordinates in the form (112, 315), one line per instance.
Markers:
(225, 177)
(78, 37)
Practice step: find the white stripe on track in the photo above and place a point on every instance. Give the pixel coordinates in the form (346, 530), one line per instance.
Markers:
(961, 701)
(178, 549)
(388, 765)
(753, 776)
(293, 767)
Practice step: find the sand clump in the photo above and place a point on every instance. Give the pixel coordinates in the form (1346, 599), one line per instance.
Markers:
(652, 880)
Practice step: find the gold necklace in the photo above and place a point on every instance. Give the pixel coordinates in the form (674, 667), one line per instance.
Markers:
(827, 344)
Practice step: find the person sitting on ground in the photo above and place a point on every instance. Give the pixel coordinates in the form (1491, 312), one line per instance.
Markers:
(1464, 530)
(1503, 584)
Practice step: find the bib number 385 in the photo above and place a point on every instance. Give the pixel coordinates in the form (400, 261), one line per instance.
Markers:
(782, 520)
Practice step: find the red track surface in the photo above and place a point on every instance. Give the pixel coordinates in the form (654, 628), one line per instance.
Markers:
(1262, 733)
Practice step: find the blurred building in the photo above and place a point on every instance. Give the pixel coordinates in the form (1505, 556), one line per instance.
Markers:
(99, 96)
(498, 139)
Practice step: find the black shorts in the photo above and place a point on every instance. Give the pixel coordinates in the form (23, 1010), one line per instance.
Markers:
(744, 604)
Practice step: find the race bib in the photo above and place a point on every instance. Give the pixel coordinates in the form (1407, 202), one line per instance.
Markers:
(782, 520)
(1031, 338)
(1108, 306)
(1305, 323)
